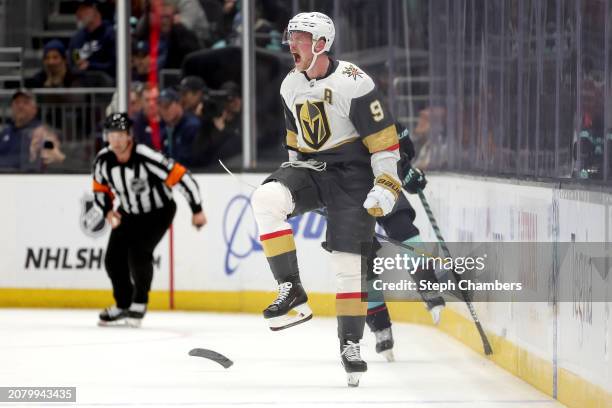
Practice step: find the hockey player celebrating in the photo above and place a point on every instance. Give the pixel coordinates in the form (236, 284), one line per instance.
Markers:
(343, 153)
(142, 179)
(399, 225)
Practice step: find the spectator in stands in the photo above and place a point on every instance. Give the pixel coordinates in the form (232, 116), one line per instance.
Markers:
(190, 13)
(262, 27)
(429, 139)
(213, 9)
(180, 127)
(192, 90)
(141, 61)
(22, 140)
(136, 98)
(233, 105)
(230, 9)
(148, 126)
(92, 48)
(176, 40)
(135, 103)
(219, 137)
(45, 150)
(56, 73)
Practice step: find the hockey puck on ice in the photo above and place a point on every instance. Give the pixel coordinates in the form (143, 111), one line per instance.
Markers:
(212, 355)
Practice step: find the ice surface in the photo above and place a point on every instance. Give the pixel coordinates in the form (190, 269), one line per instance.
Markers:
(297, 367)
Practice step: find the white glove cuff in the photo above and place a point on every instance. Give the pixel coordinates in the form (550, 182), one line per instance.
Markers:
(385, 162)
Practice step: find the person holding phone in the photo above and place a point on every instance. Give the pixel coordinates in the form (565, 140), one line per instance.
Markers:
(22, 141)
(45, 149)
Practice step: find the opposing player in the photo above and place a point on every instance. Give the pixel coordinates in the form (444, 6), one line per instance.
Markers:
(399, 225)
(343, 153)
(142, 179)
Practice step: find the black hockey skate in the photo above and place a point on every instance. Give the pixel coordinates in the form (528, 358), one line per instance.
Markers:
(384, 343)
(351, 361)
(135, 314)
(379, 321)
(291, 296)
(113, 316)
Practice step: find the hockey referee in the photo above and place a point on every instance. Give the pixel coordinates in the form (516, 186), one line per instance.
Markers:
(141, 179)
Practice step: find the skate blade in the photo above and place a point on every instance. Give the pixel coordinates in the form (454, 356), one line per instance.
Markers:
(352, 379)
(388, 355)
(303, 315)
(435, 314)
(115, 323)
(134, 323)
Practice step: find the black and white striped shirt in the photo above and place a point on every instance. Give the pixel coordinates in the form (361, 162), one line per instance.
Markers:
(143, 183)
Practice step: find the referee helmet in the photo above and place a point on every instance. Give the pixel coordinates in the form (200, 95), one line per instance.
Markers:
(118, 122)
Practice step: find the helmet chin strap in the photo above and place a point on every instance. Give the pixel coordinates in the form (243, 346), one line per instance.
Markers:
(314, 58)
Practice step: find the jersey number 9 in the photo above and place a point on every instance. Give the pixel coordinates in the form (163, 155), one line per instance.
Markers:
(377, 111)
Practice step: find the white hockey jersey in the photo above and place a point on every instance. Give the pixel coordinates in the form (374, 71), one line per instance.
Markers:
(342, 107)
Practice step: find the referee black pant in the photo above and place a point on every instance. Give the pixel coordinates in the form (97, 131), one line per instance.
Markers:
(129, 255)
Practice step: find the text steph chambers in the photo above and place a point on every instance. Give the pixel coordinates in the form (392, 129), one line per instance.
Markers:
(441, 287)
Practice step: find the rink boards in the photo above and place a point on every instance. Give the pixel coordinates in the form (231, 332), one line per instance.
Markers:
(48, 259)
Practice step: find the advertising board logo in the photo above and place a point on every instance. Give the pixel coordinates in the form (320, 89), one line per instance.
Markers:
(241, 236)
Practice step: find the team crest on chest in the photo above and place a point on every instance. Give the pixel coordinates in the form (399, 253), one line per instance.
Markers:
(314, 123)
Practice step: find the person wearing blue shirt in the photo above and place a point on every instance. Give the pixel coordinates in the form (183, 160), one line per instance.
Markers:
(148, 126)
(181, 127)
(25, 143)
(16, 136)
(92, 48)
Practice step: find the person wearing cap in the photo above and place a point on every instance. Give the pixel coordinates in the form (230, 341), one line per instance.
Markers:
(180, 127)
(92, 47)
(233, 105)
(56, 73)
(141, 61)
(25, 143)
(192, 90)
(142, 180)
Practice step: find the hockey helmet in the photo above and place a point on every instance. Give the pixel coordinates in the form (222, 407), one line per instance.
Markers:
(118, 122)
(317, 24)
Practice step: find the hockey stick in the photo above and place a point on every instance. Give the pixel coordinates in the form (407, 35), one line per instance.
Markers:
(485, 341)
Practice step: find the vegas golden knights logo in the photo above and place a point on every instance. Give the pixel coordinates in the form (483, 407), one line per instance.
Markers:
(313, 120)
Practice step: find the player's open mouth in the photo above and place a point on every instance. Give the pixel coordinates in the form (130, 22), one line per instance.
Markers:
(296, 58)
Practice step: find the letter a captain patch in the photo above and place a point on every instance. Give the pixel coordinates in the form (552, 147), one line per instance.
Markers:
(314, 124)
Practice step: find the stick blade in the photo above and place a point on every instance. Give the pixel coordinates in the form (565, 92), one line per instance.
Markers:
(487, 348)
(485, 341)
(212, 355)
